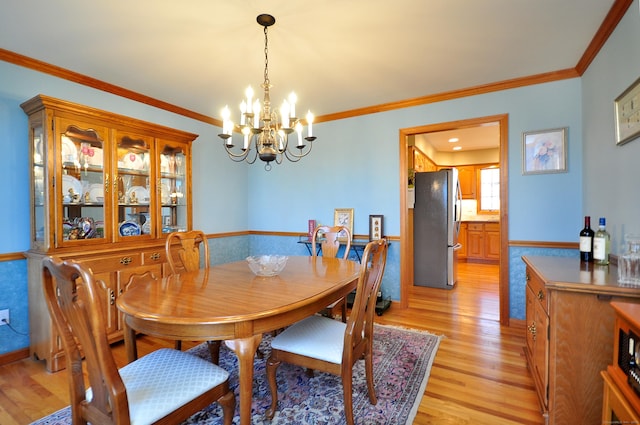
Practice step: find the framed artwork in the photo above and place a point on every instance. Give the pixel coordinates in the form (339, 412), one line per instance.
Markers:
(544, 151)
(344, 217)
(376, 229)
(627, 114)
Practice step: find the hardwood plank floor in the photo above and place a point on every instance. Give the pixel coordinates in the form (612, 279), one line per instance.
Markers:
(479, 375)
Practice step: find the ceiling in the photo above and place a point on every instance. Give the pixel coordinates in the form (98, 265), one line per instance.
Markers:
(337, 55)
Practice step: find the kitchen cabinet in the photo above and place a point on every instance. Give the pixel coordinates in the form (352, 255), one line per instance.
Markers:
(467, 179)
(569, 334)
(105, 189)
(483, 242)
(462, 240)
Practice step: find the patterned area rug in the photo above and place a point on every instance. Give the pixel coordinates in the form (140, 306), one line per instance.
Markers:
(402, 362)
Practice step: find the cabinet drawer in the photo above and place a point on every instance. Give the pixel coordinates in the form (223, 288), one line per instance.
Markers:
(491, 227)
(476, 226)
(114, 262)
(538, 289)
(156, 256)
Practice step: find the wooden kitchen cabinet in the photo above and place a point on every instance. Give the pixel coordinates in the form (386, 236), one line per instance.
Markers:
(462, 240)
(483, 242)
(467, 179)
(569, 335)
(105, 190)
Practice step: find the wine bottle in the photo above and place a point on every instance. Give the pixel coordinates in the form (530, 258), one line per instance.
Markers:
(601, 244)
(586, 241)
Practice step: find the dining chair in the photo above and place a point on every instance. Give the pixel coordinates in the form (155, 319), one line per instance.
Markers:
(183, 255)
(183, 251)
(166, 386)
(331, 239)
(327, 345)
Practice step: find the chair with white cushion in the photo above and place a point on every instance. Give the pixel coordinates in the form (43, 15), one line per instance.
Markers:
(166, 386)
(331, 239)
(327, 345)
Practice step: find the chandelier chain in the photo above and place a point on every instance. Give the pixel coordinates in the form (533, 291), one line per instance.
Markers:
(266, 57)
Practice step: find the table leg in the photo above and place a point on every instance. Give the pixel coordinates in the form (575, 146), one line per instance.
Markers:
(245, 349)
(130, 342)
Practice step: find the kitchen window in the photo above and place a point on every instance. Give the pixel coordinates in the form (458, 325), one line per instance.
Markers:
(489, 190)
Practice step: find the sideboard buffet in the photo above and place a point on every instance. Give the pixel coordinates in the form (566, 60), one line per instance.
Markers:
(570, 334)
(105, 190)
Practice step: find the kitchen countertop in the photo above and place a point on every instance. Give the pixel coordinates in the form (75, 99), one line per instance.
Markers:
(488, 219)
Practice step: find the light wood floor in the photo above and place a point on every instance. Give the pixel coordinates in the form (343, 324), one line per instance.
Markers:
(479, 375)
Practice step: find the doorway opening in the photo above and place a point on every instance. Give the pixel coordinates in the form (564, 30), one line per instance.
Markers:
(406, 254)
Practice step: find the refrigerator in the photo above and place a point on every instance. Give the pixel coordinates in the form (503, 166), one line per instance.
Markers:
(436, 225)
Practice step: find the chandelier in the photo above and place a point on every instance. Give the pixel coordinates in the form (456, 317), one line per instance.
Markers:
(265, 132)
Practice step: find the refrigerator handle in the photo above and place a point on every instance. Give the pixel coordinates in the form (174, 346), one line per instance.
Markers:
(458, 208)
(457, 246)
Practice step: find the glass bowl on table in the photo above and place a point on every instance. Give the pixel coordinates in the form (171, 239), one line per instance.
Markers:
(267, 265)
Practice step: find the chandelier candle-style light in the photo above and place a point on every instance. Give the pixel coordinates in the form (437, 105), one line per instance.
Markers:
(262, 127)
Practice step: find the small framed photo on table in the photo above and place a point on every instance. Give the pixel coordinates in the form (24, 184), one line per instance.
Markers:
(344, 217)
(376, 227)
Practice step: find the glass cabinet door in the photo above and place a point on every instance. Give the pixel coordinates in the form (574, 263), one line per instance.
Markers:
(38, 182)
(173, 183)
(134, 186)
(82, 189)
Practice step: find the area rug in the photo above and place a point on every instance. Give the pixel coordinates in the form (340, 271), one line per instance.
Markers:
(402, 363)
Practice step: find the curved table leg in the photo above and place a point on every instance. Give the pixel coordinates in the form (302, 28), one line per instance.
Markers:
(245, 349)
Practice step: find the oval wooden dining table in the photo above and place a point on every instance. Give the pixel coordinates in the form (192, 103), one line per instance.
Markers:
(228, 302)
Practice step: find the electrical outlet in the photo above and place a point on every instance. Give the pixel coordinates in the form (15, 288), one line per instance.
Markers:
(4, 317)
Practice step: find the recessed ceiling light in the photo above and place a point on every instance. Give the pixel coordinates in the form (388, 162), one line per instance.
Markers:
(453, 140)
(457, 148)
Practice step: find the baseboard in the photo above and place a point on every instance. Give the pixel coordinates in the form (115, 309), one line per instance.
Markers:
(14, 356)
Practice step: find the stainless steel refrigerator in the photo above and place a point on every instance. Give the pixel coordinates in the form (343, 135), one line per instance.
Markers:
(436, 225)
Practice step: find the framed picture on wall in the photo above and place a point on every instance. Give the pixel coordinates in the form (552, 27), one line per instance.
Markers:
(376, 229)
(627, 114)
(544, 151)
(344, 217)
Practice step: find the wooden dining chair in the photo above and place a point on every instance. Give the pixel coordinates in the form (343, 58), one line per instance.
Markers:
(331, 239)
(324, 344)
(166, 386)
(183, 251)
(183, 255)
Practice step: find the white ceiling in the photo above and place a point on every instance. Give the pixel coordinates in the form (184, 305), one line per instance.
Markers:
(337, 55)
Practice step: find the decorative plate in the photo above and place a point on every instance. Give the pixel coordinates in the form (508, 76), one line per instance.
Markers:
(96, 193)
(129, 228)
(69, 151)
(138, 195)
(71, 189)
(133, 161)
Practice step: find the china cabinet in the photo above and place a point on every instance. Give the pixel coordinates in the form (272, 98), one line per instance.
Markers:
(106, 190)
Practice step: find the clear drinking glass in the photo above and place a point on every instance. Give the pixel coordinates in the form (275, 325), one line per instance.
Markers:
(629, 261)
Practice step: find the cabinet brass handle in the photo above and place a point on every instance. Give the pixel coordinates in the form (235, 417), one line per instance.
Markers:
(106, 183)
(125, 260)
(527, 277)
(540, 295)
(112, 297)
(155, 256)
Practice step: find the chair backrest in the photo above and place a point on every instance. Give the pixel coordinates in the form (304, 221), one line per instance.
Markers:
(73, 300)
(360, 322)
(332, 238)
(183, 251)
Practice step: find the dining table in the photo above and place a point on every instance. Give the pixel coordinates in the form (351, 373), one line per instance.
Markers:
(229, 303)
